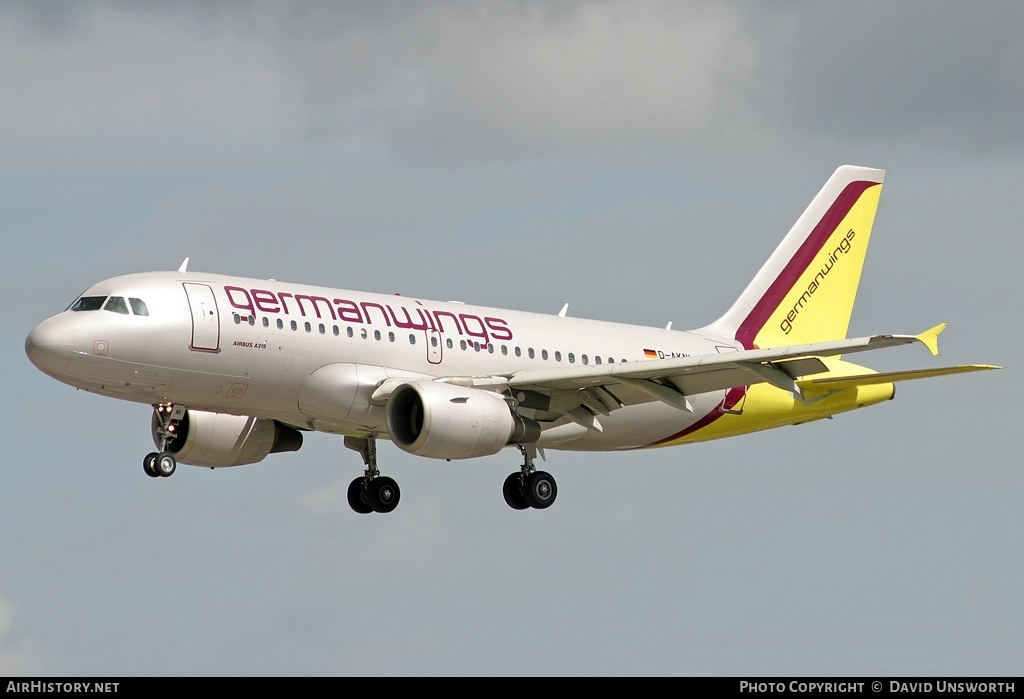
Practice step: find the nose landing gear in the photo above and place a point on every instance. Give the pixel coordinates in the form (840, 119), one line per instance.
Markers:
(159, 464)
(162, 464)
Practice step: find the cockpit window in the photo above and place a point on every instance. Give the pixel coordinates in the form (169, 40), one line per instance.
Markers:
(116, 304)
(138, 307)
(88, 303)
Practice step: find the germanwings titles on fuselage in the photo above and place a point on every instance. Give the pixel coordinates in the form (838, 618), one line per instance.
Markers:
(273, 303)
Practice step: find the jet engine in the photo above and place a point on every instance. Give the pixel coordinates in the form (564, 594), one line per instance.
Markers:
(218, 439)
(443, 421)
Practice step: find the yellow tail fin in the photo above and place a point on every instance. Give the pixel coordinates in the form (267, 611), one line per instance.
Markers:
(805, 291)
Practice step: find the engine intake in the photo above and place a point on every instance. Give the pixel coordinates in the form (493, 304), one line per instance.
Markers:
(442, 421)
(218, 439)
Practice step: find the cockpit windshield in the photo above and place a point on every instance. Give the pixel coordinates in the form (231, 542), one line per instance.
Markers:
(114, 304)
(139, 307)
(88, 303)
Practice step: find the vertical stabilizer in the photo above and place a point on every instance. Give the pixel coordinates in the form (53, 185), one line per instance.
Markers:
(805, 291)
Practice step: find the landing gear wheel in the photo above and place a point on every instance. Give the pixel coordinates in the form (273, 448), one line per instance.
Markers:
(539, 490)
(165, 464)
(149, 465)
(357, 497)
(371, 492)
(513, 491)
(383, 494)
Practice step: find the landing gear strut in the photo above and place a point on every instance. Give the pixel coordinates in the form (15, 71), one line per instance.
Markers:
(529, 487)
(371, 492)
(162, 464)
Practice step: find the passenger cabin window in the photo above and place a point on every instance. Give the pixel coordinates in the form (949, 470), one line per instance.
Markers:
(116, 304)
(88, 303)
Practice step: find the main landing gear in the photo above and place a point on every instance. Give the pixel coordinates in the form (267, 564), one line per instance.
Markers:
(529, 487)
(371, 492)
(162, 464)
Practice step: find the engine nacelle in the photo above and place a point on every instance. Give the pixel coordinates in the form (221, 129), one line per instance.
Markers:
(443, 421)
(218, 439)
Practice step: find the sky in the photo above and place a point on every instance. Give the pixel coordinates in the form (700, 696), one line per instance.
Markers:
(637, 159)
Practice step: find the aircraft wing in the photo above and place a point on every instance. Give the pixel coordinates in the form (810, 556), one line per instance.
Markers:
(582, 392)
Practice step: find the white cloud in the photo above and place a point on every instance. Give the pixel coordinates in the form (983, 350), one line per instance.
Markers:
(123, 87)
(503, 79)
(17, 657)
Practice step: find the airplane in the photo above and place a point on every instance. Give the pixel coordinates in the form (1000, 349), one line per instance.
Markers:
(237, 369)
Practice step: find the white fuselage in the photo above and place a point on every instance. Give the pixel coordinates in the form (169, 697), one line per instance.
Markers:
(249, 347)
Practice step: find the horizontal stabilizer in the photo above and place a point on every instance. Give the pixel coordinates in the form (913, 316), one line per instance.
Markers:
(838, 383)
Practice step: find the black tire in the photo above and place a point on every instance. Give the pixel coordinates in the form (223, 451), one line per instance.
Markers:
(540, 490)
(512, 489)
(165, 464)
(357, 497)
(383, 494)
(149, 465)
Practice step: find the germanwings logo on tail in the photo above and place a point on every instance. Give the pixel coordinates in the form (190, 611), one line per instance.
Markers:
(790, 301)
(844, 247)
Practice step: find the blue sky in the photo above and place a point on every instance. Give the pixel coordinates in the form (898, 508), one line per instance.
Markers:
(636, 159)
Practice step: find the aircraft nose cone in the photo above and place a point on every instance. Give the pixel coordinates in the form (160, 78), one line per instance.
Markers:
(49, 345)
